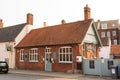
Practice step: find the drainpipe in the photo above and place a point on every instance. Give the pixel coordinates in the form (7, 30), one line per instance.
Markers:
(72, 62)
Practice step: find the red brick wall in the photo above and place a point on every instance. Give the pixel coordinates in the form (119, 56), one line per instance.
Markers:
(40, 65)
(117, 37)
(30, 65)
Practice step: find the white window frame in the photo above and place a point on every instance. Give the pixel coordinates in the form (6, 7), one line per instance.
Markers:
(114, 33)
(33, 55)
(104, 25)
(48, 52)
(21, 55)
(65, 53)
(102, 34)
(108, 34)
(115, 41)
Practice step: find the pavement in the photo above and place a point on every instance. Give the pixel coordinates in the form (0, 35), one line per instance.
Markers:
(59, 75)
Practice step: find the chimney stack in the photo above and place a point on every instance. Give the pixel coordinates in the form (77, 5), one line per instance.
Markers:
(87, 12)
(44, 24)
(63, 21)
(1, 23)
(29, 19)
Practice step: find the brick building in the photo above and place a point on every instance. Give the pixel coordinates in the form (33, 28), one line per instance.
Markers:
(10, 36)
(109, 29)
(60, 47)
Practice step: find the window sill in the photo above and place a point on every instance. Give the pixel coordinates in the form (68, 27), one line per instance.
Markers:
(33, 61)
(21, 60)
(65, 62)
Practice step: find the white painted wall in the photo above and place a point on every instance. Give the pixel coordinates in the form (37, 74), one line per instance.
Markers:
(4, 54)
(105, 52)
(90, 36)
(23, 33)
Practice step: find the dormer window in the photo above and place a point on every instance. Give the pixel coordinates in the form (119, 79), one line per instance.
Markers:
(104, 26)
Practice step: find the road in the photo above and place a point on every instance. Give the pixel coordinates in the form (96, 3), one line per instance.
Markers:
(11, 76)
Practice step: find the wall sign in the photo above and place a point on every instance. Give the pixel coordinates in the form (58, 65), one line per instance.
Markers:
(54, 56)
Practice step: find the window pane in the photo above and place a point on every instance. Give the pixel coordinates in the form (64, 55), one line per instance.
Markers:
(60, 57)
(110, 63)
(60, 50)
(70, 50)
(91, 64)
(102, 34)
(108, 34)
(63, 50)
(63, 57)
(67, 50)
(70, 57)
(67, 56)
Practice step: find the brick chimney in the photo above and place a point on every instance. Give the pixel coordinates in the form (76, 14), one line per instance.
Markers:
(1, 23)
(87, 12)
(30, 19)
(63, 21)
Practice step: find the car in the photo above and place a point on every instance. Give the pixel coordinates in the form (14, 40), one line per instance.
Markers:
(4, 68)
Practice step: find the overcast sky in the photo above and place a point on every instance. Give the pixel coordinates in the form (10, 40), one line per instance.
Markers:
(53, 11)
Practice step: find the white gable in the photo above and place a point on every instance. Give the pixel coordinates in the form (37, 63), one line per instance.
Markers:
(91, 36)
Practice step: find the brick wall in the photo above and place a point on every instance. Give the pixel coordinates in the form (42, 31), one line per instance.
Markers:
(40, 65)
(56, 66)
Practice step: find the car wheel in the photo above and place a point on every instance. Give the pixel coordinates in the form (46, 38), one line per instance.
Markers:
(6, 72)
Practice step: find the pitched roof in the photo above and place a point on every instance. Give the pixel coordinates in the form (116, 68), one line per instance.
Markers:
(69, 33)
(115, 49)
(111, 24)
(10, 33)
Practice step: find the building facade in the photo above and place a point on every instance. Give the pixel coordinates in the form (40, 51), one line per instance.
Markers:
(109, 35)
(10, 36)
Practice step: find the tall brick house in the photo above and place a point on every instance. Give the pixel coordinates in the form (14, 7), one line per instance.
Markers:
(109, 29)
(60, 47)
(10, 36)
(109, 34)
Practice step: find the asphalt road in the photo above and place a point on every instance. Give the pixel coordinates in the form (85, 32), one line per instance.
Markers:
(11, 76)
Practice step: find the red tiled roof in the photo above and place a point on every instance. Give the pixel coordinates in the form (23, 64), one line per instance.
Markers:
(69, 33)
(115, 49)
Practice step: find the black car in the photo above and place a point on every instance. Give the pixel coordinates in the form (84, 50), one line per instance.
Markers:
(4, 67)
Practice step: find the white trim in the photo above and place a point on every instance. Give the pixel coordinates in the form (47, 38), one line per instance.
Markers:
(21, 55)
(65, 52)
(34, 53)
(96, 33)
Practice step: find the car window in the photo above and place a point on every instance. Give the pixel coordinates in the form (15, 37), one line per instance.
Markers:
(2, 64)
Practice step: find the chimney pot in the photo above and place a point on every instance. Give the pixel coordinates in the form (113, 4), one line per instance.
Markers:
(44, 24)
(1, 23)
(30, 18)
(63, 21)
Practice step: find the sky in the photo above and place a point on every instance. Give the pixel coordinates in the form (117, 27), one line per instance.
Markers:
(14, 12)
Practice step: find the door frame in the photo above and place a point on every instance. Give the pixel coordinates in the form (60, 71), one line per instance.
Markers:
(48, 63)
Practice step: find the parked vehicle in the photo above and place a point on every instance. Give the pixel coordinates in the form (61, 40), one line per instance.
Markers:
(4, 67)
